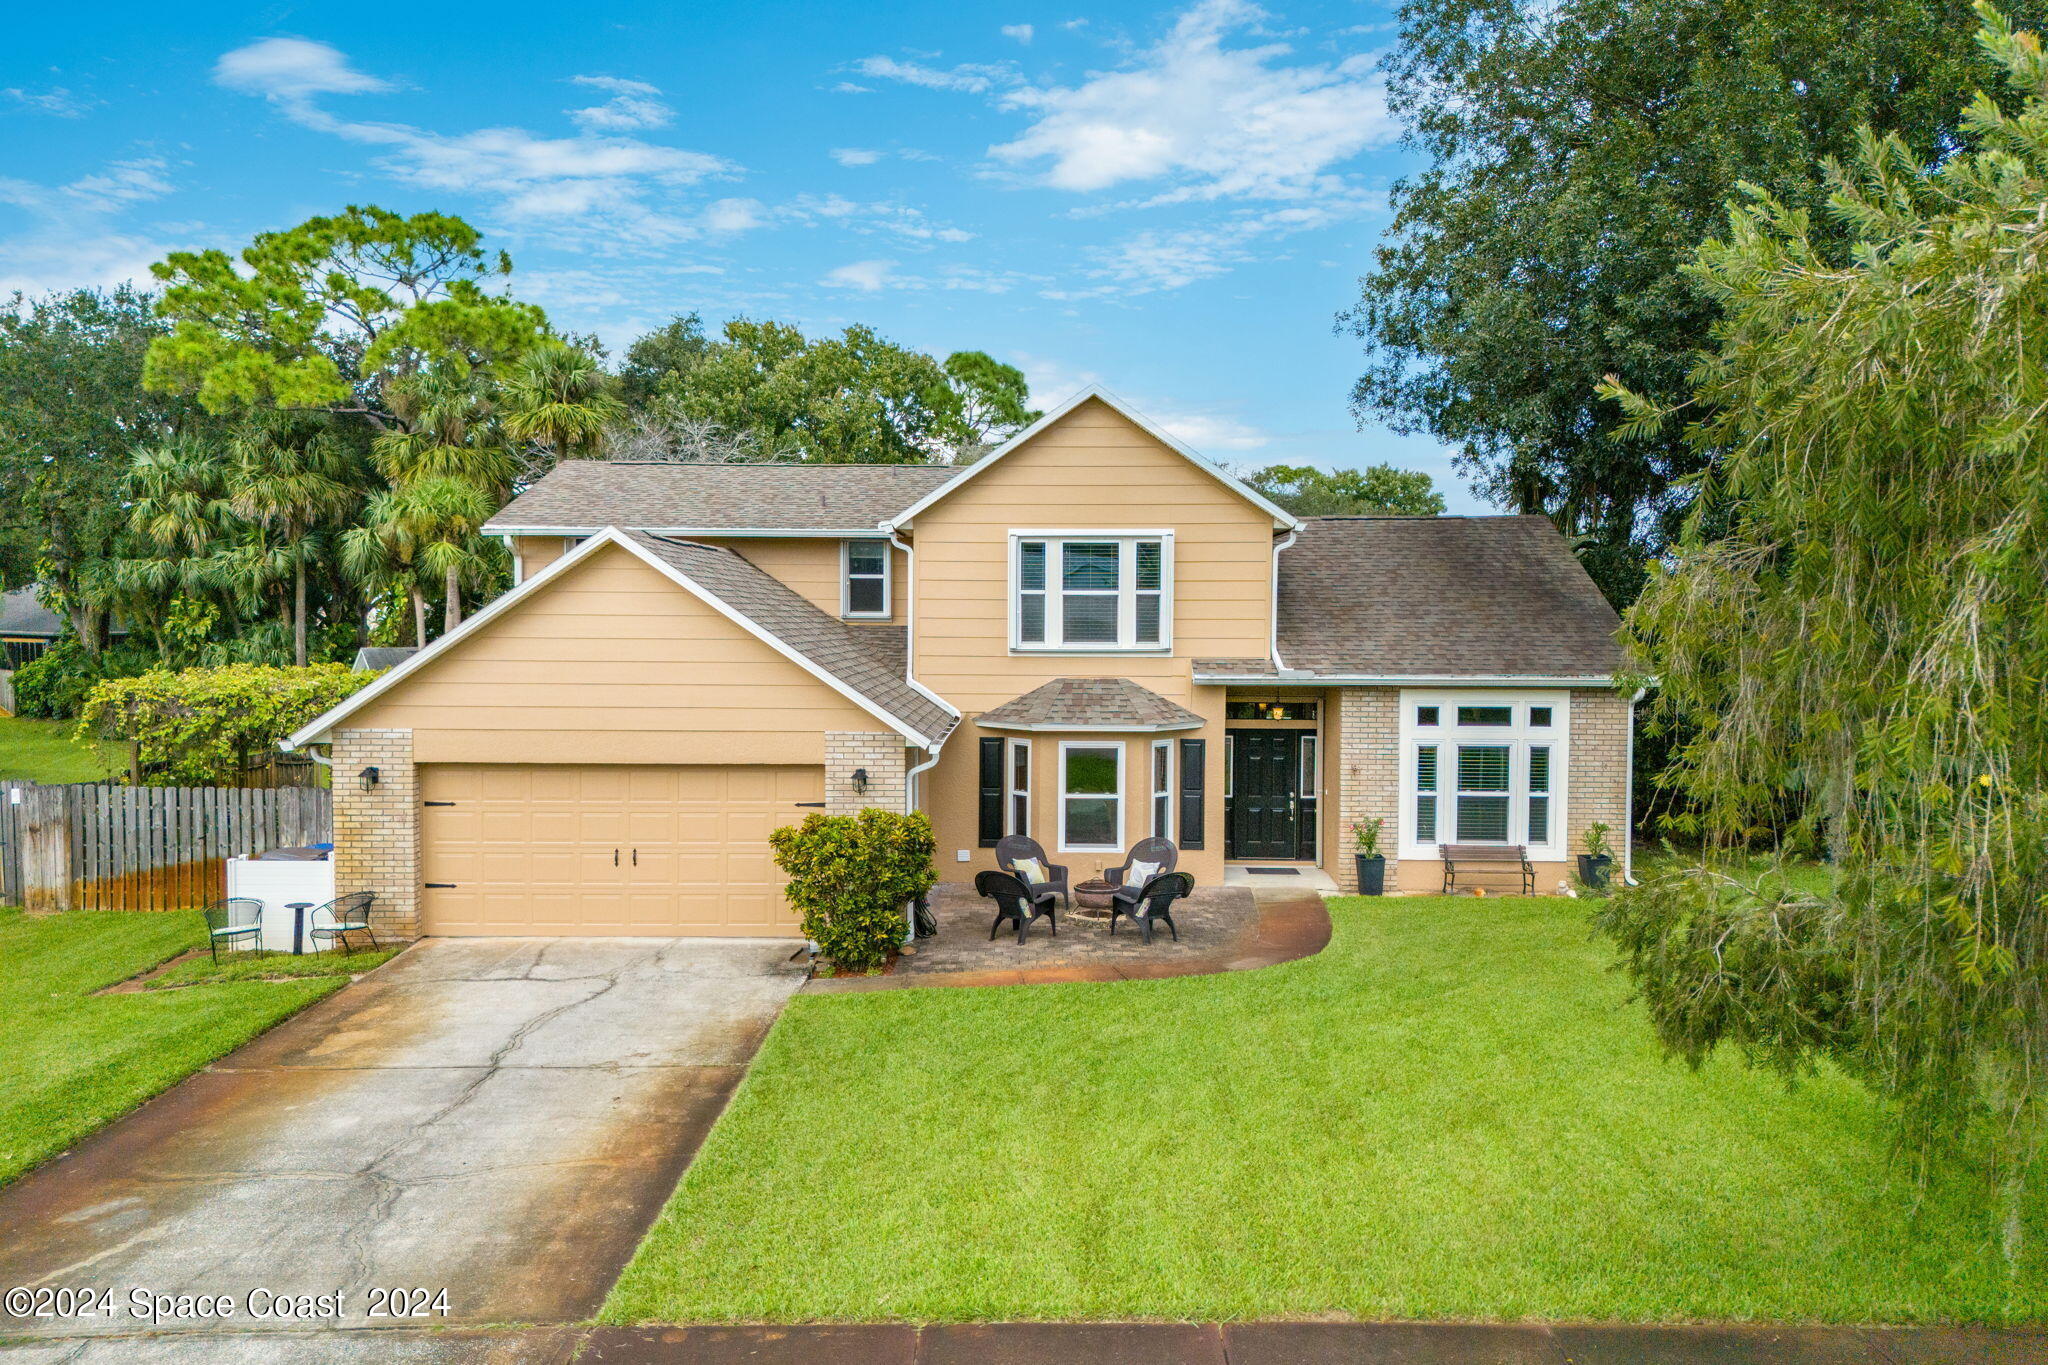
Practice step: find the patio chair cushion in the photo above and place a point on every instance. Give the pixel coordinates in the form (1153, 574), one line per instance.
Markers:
(229, 931)
(1030, 871)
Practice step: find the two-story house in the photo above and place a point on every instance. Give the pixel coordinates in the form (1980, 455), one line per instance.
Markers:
(1089, 636)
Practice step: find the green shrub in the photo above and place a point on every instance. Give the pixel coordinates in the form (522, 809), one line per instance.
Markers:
(852, 875)
(54, 685)
(197, 726)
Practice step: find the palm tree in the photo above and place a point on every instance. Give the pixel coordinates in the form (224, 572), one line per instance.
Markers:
(382, 553)
(288, 476)
(559, 398)
(430, 526)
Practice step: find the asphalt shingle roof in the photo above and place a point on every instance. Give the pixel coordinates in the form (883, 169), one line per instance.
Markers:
(1441, 596)
(586, 496)
(866, 658)
(1065, 703)
(22, 614)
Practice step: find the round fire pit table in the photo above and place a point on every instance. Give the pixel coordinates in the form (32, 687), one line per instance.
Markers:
(1092, 899)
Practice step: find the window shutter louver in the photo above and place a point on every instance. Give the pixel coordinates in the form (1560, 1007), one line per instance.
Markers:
(991, 792)
(1193, 775)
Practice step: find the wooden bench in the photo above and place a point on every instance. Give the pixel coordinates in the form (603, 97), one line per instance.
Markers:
(1478, 857)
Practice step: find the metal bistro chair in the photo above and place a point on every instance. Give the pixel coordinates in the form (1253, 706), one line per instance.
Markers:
(1013, 847)
(350, 915)
(232, 920)
(1155, 902)
(1016, 901)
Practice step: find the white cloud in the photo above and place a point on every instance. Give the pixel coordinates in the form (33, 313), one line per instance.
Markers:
(866, 276)
(1204, 431)
(1053, 381)
(632, 105)
(617, 188)
(733, 215)
(855, 156)
(1020, 32)
(1221, 122)
(71, 244)
(849, 88)
(292, 69)
(971, 78)
(57, 101)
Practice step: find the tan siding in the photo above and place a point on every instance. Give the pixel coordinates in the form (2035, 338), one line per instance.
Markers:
(613, 663)
(537, 552)
(812, 568)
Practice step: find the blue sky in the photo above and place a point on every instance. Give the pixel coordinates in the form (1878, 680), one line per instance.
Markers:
(1173, 201)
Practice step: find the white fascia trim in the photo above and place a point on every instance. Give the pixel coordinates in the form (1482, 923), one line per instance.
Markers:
(1280, 515)
(1062, 729)
(1401, 680)
(728, 532)
(611, 535)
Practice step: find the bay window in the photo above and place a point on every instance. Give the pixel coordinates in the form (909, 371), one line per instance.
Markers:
(1483, 769)
(1091, 797)
(1162, 788)
(1019, 786)
(1091, 591)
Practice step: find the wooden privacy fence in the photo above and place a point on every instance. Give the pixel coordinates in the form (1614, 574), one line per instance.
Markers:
(143, 848)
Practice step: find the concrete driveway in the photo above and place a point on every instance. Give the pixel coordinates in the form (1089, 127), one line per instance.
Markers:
(499, 1118)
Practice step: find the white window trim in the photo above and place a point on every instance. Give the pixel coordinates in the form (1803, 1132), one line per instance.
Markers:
(1161, 828)
(1011, 791)
(846, 580)
(1447, 735)
(1127, 591)
(1122, 804)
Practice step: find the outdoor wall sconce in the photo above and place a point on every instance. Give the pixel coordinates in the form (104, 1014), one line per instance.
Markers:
(860, 781)
(369, 778)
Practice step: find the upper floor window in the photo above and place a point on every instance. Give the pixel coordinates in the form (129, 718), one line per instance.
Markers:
(1092, 592)
(866, 591)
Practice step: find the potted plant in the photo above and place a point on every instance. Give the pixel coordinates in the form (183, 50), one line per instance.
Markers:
(1597, 858)
(1372, 865)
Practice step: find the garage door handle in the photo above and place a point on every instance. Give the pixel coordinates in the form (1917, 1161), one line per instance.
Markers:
(819, 805)
(440, 886)
(615, 857)
(440, 803)
(636, 857)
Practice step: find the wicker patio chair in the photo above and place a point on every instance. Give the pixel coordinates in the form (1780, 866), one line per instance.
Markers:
(1016, 901)
(1012, 848)
(1159, 854)
(1155, 902)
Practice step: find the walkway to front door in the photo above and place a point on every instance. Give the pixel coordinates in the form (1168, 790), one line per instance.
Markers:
(499, 1118)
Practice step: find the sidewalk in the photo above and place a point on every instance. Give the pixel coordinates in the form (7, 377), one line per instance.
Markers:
(1258, 1343)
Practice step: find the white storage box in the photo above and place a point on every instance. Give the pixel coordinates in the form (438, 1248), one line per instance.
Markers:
(279, 883)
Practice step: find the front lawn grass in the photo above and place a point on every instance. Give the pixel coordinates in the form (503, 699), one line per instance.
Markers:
(1451, 1112)
(72, 1061)
(44, 751)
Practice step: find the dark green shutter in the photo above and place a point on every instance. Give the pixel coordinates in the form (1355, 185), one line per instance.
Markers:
(1192, 778)
(991, 792)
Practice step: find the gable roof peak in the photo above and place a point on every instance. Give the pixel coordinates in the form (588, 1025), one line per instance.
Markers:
(1281, 516)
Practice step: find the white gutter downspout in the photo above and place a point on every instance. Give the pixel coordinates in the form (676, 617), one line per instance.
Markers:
(910, 785)
(1273, 605)
(284, 746)
(910, 632)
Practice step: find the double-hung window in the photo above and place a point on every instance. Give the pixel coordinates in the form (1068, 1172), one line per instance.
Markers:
(866, 579)
(1483, 769)
(1088, 591)
(1018, 784)
(1162, 788)
(1091, 796)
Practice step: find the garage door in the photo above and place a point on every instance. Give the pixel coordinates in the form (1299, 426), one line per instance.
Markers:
(549, 849)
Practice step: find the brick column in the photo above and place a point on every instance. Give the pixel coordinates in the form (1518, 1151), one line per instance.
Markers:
(883, 756)
(1599, 769)
(377, 832)
(1369, 776)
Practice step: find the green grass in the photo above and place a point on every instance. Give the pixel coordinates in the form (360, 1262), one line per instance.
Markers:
(269, 966)
(44, 751)
(72, 1061)
(1452, 1112)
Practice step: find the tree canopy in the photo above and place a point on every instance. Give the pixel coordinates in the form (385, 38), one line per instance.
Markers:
(1576, 155)
(1854, 634)
(1378, 490)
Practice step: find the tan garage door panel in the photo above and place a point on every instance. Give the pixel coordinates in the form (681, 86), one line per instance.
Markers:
(516, 849)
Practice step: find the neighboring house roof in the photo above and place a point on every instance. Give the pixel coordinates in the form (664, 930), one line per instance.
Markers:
(861, 657)
(1281, 516)
(1089, 704)
(1435, 598)
(581, 497)
(21, 616)
(377, 658)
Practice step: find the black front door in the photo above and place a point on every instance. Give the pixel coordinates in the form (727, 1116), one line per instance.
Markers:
(1264, 812)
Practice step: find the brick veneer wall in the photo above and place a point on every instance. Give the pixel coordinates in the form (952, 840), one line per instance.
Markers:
(884, 757)
(377, 832)
(1599, 762)
(1368, 777)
